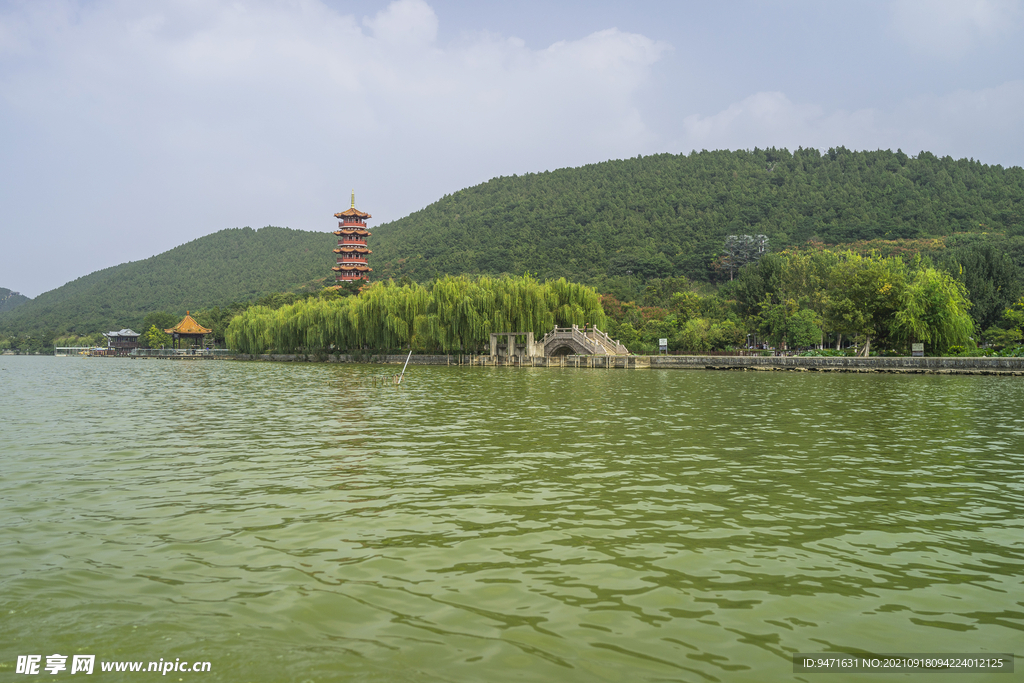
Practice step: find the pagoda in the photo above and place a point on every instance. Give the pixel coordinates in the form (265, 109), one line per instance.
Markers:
(352, 252)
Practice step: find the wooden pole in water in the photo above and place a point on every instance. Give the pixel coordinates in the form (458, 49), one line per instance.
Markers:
(405, 366)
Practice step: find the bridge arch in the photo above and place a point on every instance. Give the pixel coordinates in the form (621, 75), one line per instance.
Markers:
(565, 347)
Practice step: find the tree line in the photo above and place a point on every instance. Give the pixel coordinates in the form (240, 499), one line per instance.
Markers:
(970, 294)
(795, 299)
(454, 314)
(827, 298)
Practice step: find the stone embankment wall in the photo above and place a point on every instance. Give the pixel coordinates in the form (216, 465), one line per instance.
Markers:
(366, 358)
(605, 362)
(845, 364)
(1011, 366)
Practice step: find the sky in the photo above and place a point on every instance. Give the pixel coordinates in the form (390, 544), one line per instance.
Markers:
(128, 128)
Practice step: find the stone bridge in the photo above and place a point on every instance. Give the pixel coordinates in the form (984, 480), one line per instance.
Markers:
(590, 341)
(560, 341)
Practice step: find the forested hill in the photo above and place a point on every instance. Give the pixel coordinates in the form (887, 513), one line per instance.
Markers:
(10, 300)
(636, 219)
(669, 214)
(231, 265)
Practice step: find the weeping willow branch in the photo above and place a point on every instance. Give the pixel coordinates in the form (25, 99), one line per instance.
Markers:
(455, 314)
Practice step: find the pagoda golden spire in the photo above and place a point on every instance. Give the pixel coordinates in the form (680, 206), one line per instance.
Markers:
(353, 199)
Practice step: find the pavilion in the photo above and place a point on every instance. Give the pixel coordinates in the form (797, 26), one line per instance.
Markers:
(190, 330)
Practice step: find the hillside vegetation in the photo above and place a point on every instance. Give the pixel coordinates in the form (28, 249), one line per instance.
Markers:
(231, 265)
(10, 300)
(616, 226)
(668, 215)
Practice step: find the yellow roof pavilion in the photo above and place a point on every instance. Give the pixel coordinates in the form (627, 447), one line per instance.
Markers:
(188, 325)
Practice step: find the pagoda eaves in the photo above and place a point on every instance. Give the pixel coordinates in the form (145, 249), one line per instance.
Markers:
(353, 212)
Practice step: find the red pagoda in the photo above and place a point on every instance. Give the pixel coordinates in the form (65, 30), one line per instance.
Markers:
(352, 252)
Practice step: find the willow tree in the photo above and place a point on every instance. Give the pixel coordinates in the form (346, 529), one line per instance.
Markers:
(456, 314)
(250, 331)
(307, 326)
(519, 304)
(342, 324)
(386, 314)
(459, 317)
(934, 310)
(575, 304)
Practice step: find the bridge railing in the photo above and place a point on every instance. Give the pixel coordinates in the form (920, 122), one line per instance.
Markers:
(611, 346)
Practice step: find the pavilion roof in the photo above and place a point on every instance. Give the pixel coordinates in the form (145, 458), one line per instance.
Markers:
(349, 213)
(188, 325)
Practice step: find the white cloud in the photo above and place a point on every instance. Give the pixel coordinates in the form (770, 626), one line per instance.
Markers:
(162, 121)
(408, 24)
(227, 80)
(951, 28)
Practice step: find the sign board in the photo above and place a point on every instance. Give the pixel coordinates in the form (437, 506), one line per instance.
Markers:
(917, 349)
(663, 344)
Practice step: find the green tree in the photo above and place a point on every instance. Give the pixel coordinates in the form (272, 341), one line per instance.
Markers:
(1000, 338)
(758, 285)
(934, 310)
(726, 333)
(155, 338)
(695, 337)
(162, 320)
(805, 328)
(687, 305)
(1014, 317)
(787, 323)
(863, 296)
(992, 279)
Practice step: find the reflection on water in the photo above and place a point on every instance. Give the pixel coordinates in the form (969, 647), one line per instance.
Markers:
(294, 522)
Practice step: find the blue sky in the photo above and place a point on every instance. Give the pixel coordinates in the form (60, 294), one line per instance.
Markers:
(129, 128)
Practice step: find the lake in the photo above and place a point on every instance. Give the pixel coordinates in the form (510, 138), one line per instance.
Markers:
(297, 522)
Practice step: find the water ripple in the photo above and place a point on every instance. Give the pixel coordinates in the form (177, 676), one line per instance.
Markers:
(296, 522)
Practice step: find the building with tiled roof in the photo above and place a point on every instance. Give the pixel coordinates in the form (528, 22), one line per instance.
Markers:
(121, 342)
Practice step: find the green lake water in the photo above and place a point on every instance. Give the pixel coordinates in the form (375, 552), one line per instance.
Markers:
(294, 522)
